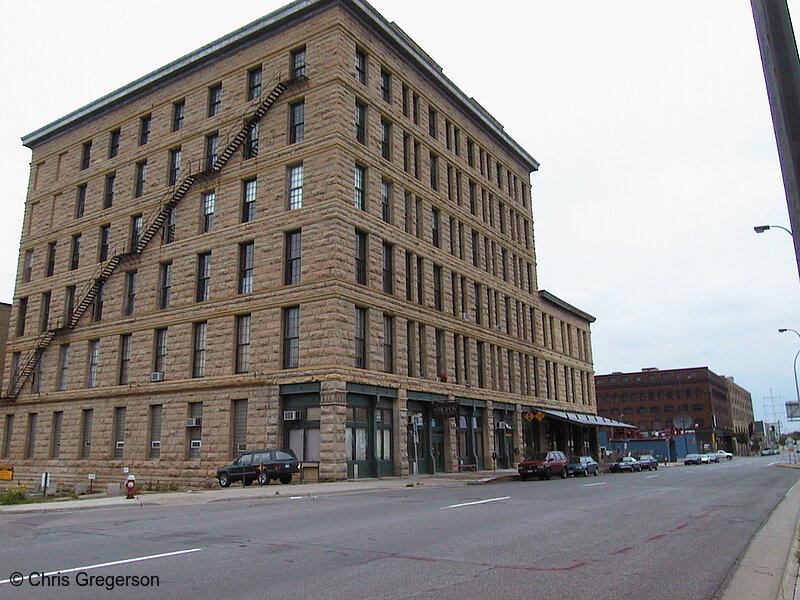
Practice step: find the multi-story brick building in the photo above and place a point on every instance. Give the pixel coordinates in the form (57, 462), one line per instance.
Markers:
(5, 319)
(719, 410)
(304, 235)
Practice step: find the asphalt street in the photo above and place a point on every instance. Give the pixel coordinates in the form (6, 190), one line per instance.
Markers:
(671, 533)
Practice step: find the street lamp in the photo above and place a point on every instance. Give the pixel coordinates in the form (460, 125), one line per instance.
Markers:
(763, 228)
(796, 387)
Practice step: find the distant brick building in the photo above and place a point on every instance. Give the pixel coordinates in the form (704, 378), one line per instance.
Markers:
(302, 235)
(719, 410)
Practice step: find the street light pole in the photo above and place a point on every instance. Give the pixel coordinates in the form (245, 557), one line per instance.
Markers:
(763, 228)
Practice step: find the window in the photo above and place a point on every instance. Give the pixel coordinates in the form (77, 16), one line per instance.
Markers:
(251, 142)
(432, 125)
(361, 257)
(194, 434)
(246, 267)
(295, 187)
(292, 270)
(388, 268)
(160, 355)
(242, 344)
(164, 284)
(156, 411)
(130, 292)
(136, 231)
(359, 185)
(27, 269)
(75, 252)
(254, 83)
(94, 350)
(105, 240)
(209, 199)
(388, 343)
(141, 178)
(80, 201)
(361, 338)
(120, 412)
(437, 287)
(174, 166)
(113, 143)
(55, 442)
(212, 147)
(361, 66)
(144, 129)
(386, 201)
(405, 94)
(386, 140)
(386, 85)
(203, 276)
(30, 443)
(86, 155)
(124, 358)
(108, 196)
(291, 337)
(297, 117)
(168, 233)
(86, 432)
(415, 108)
(298, 62)
(9, 428)
(44, 313)
(97, 309)
(199, 346)
(434, 172)
(436, 227)
(63, 366)
(361, 122)
(69, 302)
(248, 200)
(214, 99)
(178, 110)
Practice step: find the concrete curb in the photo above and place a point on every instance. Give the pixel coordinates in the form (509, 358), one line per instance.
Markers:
(768, 569)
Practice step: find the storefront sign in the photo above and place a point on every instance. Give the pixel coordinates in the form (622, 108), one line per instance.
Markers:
(6, 473)
(447, 409)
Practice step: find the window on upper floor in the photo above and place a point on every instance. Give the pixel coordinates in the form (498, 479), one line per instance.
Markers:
(178, 112)
(86, 155)
(209, 201)
(292, 257)
(360, 337)
(298, 62)
(203, 277)
(113, 143)
(214, 99)
(297, 117)
(291, 337)
(360, 187)
(386, 201)
(212, 147)
(246, 256)
(295, 180)
(80, 201)
(360, 255)
(174, 166)
(144, 129)
(108, 193)
(141, 178)
(242, 355)
(361, 122)
(432, 122)
(361, 66)
(254, 83)
(248, 200)
(386, 85)
(386, 139)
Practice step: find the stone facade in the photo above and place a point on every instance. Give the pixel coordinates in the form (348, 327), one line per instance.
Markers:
(411, 282)
(5, 318)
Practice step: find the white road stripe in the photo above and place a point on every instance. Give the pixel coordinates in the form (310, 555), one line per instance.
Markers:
(651, 476)
(477, 502)
(591, 484)
(114, 563)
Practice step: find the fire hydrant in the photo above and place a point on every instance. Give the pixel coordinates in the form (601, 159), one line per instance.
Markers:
(130, 487)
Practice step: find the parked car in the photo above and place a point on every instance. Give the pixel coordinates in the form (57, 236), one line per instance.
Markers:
(725, 454)
(648, 461)
(262, 466)
(704, 459)
(712, 457)
(692, 459)
(770, 451)
(582, 465)
(543, 465)
(626, 463)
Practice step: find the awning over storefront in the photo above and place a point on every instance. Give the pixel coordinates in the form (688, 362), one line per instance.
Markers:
(586, 419)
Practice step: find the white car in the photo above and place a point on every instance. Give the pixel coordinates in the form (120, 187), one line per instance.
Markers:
(705, 459)
(724, 454)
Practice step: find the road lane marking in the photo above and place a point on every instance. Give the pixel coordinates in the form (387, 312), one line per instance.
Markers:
(113, 563)
(477, 502)
(591, 484)
(651, 476)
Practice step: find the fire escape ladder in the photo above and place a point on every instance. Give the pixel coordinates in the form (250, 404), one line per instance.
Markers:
(104, 270)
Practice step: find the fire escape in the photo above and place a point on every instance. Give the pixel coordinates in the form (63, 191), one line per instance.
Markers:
(205, 171)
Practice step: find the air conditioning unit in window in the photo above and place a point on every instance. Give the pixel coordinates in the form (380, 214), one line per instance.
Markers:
(465, 316)
(120, 445)
(292, 415)
(241, 447)
(157, 376)
(196, 422)
(195, 444)
(155, 444)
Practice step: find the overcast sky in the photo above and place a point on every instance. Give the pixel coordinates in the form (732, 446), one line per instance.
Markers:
(649, 118)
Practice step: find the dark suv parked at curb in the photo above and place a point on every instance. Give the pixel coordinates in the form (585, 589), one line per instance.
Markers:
(260, 465)
(647, 461)
(543, 465)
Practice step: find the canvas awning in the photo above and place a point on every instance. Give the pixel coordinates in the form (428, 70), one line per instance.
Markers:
(585, 419)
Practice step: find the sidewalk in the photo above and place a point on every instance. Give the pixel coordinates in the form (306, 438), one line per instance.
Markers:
(238, 492)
